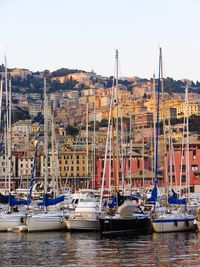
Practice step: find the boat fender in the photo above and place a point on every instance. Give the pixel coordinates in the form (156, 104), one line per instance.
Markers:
(61, 219)
(22, 220)
(175, 223)
(187, 223)
(97, 207)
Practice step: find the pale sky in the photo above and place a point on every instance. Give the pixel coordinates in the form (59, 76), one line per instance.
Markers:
(83, 34)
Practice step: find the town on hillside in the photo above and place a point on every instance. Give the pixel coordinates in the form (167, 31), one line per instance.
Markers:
(78, 116)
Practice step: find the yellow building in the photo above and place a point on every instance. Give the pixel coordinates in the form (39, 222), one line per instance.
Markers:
(75, 167)
(193, 109)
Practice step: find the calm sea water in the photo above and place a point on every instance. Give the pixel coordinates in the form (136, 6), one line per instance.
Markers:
(87, 249)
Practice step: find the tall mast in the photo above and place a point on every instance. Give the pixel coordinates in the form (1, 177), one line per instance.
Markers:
(143, 150)
(117, 121)
(163, 98)
(121, 144)
(170, 155)
(94, 141)
(131, 142)
(45, 136)
(187, 144)
(1, 92)
(9, 139)
(6, 130)
(157, 127)
(164, 117)
(87, 149)
(106, 148)
(53, 153)
(154, 123)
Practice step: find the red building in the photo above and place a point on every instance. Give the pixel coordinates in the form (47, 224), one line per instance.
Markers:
(194, 163)
(126, 170)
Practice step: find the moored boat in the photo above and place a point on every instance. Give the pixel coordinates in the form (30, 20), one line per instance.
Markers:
(48, 221)
(174, 222)
(128, 219)
(10, 220)
(85, 216)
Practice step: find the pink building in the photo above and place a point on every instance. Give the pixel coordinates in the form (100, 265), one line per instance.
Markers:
(126, 170)
(194, 163)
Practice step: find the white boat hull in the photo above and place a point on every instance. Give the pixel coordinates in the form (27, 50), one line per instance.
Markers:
(44, 223)
(10, 221)
(82, 224)
(164, 226)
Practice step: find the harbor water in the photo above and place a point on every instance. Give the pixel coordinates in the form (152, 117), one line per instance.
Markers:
(88, 249)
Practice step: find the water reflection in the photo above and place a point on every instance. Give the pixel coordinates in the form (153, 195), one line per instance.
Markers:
(87, 249)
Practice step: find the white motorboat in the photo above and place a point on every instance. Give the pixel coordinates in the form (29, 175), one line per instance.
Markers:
(81, 194)
(85, 216)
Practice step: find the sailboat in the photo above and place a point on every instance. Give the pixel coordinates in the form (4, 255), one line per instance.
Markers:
(167, 219)
(46, 220)
(9, 218)
(125, 216)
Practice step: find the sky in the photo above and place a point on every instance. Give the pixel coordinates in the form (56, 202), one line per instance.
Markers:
(84, 34)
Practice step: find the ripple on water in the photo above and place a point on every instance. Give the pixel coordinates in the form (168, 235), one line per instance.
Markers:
(87, 249)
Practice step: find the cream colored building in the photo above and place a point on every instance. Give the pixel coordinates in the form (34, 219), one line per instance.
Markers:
(193, 109)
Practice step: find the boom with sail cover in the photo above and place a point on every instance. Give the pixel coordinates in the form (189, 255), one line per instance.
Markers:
(48, 202)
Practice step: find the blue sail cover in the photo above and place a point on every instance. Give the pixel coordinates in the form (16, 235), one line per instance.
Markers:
(12, 201)
(173, 200)
(153, 196)
(15, 202)
(48, 202)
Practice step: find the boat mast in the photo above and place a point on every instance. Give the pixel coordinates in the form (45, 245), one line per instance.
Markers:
(164, 118)
(170, 155)
(53, 153)
(154, 123)
(1, 91)
(157, 126)
(121, 144)
(130, 142)
(143, 151)
(117, 120)
(87, 149)
(108, 139)
(187, 144)
(45, 140)
(9, 139)
(94, 142)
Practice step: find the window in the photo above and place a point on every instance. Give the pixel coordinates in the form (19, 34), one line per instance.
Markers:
(194, 153)
(138, 163)
(183, 168)
(194, 168)
(183, 179)
(102, 164)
